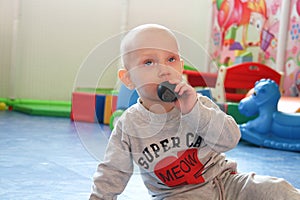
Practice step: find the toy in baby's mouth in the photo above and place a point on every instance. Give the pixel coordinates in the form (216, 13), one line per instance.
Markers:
(165, 91)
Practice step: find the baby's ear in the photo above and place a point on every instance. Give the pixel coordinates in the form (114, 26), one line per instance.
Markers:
(125, 78)
(182, 65)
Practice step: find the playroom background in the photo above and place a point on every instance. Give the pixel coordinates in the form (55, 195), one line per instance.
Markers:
(45, 43)
(264, 31)
(60, 58)
(52, 51)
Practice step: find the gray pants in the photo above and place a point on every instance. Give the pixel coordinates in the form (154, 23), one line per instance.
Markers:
(242, 187)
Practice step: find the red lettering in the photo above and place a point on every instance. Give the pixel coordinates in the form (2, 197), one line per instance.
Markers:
(184, 169)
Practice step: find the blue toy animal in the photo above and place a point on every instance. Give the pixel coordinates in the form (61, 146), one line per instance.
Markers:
(271, 128)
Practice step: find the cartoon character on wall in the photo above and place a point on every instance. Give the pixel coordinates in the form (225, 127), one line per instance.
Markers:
(235, 15)
(292, 52)
(298, 7)
(295, 88)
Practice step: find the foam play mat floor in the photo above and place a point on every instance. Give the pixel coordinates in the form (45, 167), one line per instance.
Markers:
(55, 158)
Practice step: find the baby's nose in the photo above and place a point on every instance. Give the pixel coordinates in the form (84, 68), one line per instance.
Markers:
(163, 71)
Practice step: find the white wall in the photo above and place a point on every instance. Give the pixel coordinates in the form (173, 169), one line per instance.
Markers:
(55, 37)
(6, 22)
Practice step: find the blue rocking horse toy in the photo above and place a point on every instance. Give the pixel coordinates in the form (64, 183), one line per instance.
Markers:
(271, 128)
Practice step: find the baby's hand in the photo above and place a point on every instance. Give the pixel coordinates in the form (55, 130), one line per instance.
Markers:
(187, 96)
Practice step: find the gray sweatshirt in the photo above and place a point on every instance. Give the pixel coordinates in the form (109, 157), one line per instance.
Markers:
(174, 152)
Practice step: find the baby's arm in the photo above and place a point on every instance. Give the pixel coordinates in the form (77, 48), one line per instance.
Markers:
(218, 130)
(114, 172)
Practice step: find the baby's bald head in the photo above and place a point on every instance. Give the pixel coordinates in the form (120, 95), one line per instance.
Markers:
(148, 36)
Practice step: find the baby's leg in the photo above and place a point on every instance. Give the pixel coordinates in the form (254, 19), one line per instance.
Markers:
(251, 186)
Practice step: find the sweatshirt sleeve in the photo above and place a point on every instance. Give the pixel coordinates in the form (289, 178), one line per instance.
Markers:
(217, 129)
(114, 172)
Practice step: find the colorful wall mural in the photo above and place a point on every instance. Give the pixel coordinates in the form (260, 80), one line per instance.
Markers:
(292, 55)
(248, 30)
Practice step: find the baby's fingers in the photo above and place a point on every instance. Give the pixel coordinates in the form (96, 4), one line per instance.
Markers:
(181, 88)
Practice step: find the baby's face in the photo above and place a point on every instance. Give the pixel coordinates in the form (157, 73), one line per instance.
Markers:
(154, 59)
(149, 67)
(154, 65)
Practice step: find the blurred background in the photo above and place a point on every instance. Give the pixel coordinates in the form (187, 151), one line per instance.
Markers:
(43, 43)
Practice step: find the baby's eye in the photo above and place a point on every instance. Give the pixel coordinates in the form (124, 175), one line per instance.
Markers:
(172, 59)
(148, 63)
